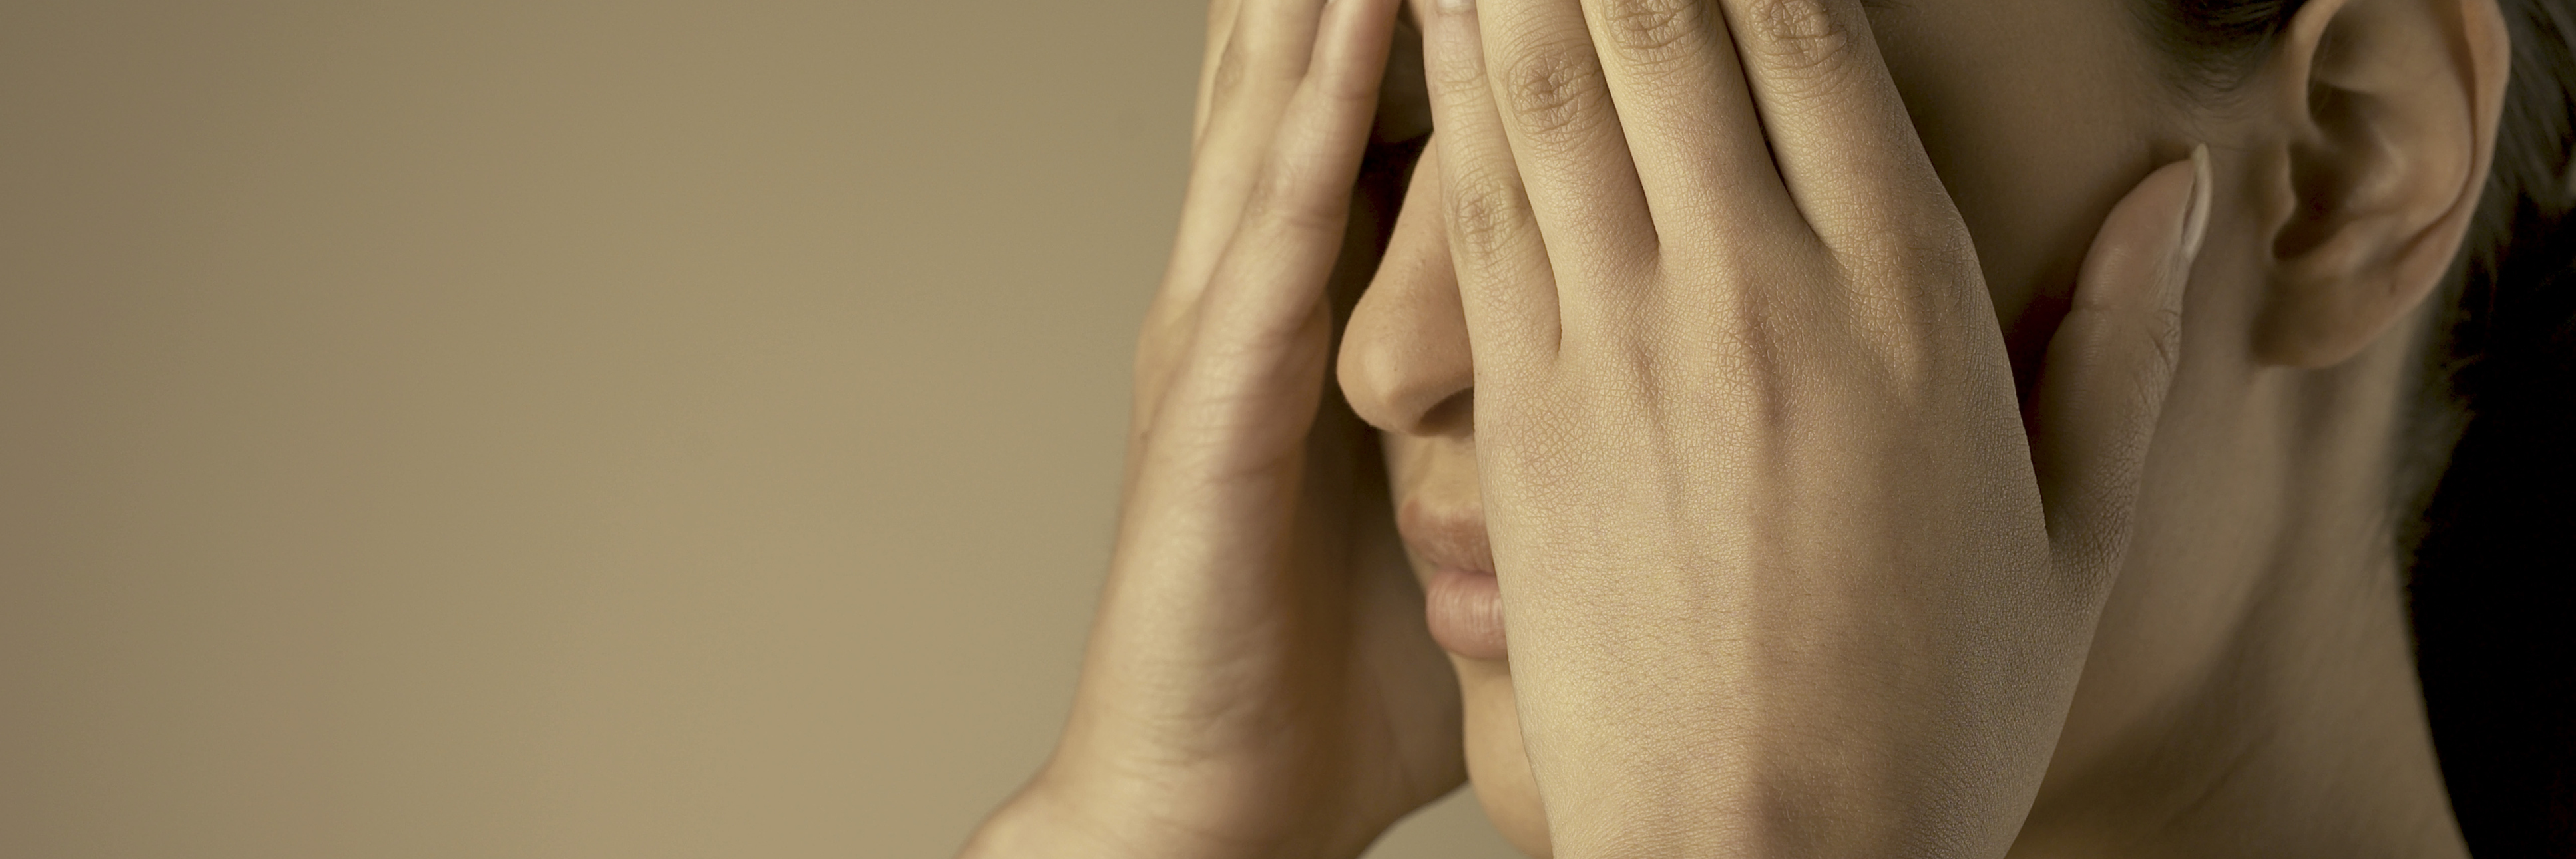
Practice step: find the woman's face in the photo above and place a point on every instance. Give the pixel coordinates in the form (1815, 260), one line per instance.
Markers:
(2038, 114)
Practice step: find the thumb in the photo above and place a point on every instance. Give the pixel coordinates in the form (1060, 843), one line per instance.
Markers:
(2103, 382)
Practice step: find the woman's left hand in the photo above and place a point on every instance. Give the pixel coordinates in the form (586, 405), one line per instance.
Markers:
(1783, 573)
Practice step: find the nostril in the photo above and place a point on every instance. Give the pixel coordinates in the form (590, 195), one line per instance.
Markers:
(1400, 384)
(1455, 416)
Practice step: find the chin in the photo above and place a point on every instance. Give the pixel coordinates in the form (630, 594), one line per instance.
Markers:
(1497, 766)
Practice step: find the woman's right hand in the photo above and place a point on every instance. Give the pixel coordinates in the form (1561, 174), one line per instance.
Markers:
(1259, 680)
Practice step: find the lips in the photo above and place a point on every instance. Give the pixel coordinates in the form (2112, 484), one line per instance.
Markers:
(1462, 601)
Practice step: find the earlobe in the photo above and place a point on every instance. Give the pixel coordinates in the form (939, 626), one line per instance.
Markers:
(2388, 114)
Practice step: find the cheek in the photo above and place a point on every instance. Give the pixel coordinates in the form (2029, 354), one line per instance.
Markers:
(2039, 117)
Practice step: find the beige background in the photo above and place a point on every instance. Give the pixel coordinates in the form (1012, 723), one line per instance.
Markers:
(496, 429)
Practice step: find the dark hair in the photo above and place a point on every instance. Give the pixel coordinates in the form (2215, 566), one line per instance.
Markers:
(2488, 519)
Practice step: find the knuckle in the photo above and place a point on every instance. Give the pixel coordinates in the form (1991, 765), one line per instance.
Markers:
(1556, 91)
(1287, 195)
(1449, 77)
(1652, 30)
(1231, 72)
(1481, 219)
(1799, 35)
(1258, 61)
(2162, 330)
(1343, 89)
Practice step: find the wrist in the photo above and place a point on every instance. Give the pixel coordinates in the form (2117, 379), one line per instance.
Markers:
(1059, 817)
(1033, 824)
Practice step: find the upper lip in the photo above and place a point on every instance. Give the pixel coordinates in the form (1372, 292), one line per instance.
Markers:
(1451, 538)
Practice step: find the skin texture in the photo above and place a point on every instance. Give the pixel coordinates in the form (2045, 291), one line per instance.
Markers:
(1889, 441)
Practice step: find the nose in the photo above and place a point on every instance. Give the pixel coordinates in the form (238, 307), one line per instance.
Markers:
(1405, 365)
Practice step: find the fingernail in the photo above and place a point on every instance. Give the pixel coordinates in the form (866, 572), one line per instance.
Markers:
(2195, 218)
(1456, 7)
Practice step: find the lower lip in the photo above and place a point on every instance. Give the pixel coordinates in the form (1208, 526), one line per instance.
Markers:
(1465, 611)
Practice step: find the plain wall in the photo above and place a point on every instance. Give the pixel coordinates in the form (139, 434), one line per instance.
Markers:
(564, 429)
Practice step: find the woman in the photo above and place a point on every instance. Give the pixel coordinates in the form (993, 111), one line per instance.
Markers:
(1951, 427)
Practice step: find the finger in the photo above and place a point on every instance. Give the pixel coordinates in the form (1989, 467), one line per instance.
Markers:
(1260, 59)
(1244, 391)
(1255, 64)
(1688, 117)
(1504, 283)
(2110, 364)
(1220, 30)
(1264, 56)
(1839, 132)
(1565, 137)
(1270, 282)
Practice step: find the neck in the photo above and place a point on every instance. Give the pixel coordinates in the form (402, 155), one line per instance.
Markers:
(2301, 730)
(2311, 738)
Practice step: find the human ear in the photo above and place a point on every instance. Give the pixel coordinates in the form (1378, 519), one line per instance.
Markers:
(2386, 114)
